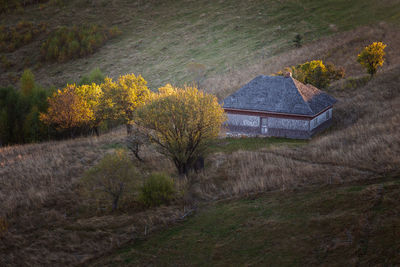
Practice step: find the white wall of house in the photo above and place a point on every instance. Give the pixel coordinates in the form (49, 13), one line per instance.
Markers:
(290, 124)
(321, 119)
(243, 120)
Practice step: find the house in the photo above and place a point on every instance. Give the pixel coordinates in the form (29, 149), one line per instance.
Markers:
(278, 106)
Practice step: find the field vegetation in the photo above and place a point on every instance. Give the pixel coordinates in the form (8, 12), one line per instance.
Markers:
(12, 38)
(68, 43)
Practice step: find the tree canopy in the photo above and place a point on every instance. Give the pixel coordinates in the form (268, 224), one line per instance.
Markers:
(315, 72)
(73, 108)
(121, 98)
(181, 122)
(372, 57)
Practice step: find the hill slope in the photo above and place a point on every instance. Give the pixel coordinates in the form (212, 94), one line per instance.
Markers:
(181, 41)
(335, 226)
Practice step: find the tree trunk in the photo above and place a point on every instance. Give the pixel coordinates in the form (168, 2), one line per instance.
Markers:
(96, 130)
(129, 128)
(183, 168)
(115, 203)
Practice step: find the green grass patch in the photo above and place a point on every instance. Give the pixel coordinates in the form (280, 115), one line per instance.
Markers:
(229, 144)
(278, 229)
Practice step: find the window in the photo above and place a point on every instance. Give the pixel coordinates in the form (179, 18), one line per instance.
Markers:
(327, 115)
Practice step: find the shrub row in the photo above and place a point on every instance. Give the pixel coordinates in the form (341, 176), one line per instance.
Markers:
(8, 5)
(68, 43)
(12, 38)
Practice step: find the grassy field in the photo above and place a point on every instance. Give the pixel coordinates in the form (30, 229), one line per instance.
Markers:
(334, 226)
(181, 41)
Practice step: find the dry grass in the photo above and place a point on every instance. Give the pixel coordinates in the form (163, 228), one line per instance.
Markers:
(48, 221)
(362, 144)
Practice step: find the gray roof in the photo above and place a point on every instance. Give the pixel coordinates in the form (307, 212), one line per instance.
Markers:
(279, 94)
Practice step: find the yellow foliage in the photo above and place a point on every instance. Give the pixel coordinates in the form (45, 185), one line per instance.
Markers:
(73, 107)
(121, 98)
(181, 122)
(372, 57)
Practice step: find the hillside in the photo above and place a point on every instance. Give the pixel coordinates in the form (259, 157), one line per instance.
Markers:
(355, 224)
(181, 41)
(331, 200)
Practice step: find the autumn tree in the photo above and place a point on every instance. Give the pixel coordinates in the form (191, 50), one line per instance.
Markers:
(73, 108)
(372, 57)
(122, 97)
(181, 122)
(315, 72)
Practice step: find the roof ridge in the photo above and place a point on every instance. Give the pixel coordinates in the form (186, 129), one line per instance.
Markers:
(300, 93)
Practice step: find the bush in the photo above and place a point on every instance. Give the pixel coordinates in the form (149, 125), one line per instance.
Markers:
(156, 190)
(95, 76)
(315, 72)
(112, 181)
(69, 43)
(27, 82)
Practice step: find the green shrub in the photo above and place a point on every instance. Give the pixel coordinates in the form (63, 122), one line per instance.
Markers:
(95, 76)
(112, 181)
(156, 190)
(27, 82)
(70, 43)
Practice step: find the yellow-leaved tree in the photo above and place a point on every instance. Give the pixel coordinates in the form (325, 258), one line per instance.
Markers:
(121, 98)
(74, 108)
(181, 122)
(315, 72)
(372, 57)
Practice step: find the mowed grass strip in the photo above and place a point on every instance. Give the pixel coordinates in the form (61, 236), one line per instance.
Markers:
(230, 144)
(340, 225)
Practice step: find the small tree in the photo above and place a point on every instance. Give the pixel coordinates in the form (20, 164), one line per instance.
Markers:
(111, 179)
(181, 122)
(121, 98)
(298, 40)
(27, 82)
(372, 57)
(135, 141)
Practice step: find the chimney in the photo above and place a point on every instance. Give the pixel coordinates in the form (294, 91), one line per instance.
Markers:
(288, 74)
